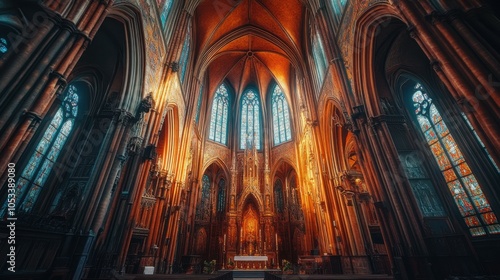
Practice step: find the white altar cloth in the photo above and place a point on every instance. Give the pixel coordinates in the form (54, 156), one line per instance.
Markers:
(251, 258)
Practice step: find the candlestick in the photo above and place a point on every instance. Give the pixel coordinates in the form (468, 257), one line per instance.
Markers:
(224, 241)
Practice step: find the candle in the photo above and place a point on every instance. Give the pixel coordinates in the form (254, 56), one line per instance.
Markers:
(276, 242)
(224, 241)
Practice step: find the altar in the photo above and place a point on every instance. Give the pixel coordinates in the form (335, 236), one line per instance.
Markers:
(251, 261)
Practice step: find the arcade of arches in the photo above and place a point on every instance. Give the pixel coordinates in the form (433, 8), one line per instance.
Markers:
(344, 136)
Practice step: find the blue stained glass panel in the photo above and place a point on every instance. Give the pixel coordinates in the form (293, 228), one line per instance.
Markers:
(57, 120)
(219, 116)
(3, 45)
(281, 117)
(44, 172)
(41, 162)
(424, 122)
(33, 164)
(441, 129)
(430, 136)
(30, 198)
(250, 120)
(21, 186)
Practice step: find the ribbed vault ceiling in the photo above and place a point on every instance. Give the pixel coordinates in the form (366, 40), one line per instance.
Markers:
(248, 42)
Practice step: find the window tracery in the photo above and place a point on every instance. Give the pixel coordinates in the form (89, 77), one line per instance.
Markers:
(43, 159)
(461, 181)
(219, 116)
(250, 120)
(281, 117)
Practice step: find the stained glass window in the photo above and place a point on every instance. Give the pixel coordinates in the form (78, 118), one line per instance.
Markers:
(278, 196)
(462, 183)
(36, 172)
(198, 105)
(319, 57)
(183, 61)
(250, 120)
(165, 11)
(338, 7)
(281, 117)
(4, 46)
(221, 196)
(219, 118)
(203, 210)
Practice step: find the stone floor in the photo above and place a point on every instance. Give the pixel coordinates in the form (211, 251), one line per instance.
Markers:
(288, 277)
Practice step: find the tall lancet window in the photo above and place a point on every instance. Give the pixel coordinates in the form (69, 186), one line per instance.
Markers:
(279, 202)
(198, 105)
(250, 120)
(462, 184)
(319, 57)
(42, 160)
(221, 196)
(219, 118)
(203, 210)
(281, 117)
(184, 60)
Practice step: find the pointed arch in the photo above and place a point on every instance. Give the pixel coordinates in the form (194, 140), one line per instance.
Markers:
(282, 131)
(219, 119)
(251, 119)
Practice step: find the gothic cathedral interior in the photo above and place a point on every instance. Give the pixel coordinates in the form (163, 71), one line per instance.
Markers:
(317, 136)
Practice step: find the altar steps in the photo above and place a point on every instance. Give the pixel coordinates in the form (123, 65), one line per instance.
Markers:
(237, 274)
